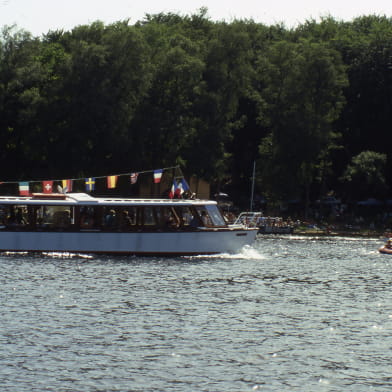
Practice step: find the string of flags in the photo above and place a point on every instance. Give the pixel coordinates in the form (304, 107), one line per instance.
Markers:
(176, 190)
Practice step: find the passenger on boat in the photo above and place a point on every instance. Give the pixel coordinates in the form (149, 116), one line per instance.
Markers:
(62, 219)
(171, 222)
(16, 218)
(126, 220)
(389, 244)
(110, 218)
(194, 222)
(20, 220)
(204, 218)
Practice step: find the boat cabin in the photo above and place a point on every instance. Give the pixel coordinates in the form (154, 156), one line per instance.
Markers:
(82, 212)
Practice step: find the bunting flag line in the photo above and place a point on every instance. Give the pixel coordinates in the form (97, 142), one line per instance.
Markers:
(134, 178)
(111, 181)
(90, 184)
(157, 176)
(67, 185)
(173, 189)
(47, 186)
(24, 189)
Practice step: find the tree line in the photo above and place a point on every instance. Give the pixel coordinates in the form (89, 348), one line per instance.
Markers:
(310, 105)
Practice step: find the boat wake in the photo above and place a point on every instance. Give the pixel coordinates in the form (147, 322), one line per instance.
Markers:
(66, 255)
(246, 253)
(53, 255)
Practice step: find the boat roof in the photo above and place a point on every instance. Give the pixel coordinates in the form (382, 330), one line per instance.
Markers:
(86, 199)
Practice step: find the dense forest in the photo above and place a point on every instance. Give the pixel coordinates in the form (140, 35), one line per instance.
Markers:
(310, 105)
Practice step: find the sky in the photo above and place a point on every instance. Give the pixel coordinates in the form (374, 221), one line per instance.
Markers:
(40, 16)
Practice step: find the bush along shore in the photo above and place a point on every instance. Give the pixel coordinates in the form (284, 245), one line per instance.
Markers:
(334, 229)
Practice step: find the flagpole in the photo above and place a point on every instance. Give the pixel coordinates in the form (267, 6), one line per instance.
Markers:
(253, 186)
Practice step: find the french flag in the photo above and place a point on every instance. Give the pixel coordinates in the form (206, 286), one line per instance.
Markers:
(179, 190)
(24, 189)
(173, 189)
(184, 185)
(157, 176)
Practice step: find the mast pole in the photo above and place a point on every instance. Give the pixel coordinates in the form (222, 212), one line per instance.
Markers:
(253, 186)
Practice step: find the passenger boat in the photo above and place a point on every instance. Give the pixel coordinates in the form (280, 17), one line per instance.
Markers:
(387, 248)
(265, 224)
(78, 222)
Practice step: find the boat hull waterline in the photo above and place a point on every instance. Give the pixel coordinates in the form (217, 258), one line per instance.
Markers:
(170, 243)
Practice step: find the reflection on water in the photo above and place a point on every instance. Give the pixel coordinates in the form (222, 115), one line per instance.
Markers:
(289, 314)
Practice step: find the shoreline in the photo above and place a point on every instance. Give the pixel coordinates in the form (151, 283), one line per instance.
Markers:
(339, 233)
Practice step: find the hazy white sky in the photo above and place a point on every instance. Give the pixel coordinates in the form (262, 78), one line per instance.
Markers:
(40, 16)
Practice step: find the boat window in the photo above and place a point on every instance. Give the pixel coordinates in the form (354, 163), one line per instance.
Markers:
(149, 217)
(128, 218)
(215, 215)
(90, 217)
(55, 217)
(203, 216)
(185, 215)
(14, 216)
(110, 218)
(3, 216)
(169, 218)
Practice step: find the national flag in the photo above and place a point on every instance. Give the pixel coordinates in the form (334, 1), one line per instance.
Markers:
(184, 184)
(134, 177)
(90, 184)
(179, 191)
(111, 181)
(24, 189)
(173, 189)
(47, 186)
(67, 185)
(157, 176)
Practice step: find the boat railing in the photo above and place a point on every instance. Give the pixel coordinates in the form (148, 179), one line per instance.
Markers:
(248, 219)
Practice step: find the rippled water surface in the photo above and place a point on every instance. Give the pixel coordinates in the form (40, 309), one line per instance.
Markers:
(289, 314)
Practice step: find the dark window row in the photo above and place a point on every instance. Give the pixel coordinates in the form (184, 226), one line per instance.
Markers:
(108, 218)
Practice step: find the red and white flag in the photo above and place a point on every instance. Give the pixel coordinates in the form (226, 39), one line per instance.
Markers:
(47, 186)
(134, 178)
(24, 189)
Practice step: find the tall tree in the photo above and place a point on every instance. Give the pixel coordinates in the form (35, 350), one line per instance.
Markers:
(21, 78)
(365, 176)
(108, 76)
(304, 83)
(227, 78)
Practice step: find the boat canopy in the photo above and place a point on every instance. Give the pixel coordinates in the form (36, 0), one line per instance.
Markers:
(86, 199)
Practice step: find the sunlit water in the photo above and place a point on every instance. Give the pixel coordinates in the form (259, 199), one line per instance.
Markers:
(289, 314)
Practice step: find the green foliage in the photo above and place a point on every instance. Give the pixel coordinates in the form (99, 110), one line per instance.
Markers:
(364, 176)
(303, 90)
(213, 96)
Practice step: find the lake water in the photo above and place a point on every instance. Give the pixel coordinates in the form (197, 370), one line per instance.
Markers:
(289, 314)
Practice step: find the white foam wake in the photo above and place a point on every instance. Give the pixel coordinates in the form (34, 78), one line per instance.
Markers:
(246, 253)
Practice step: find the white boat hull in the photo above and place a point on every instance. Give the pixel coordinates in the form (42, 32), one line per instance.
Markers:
(157, 243)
